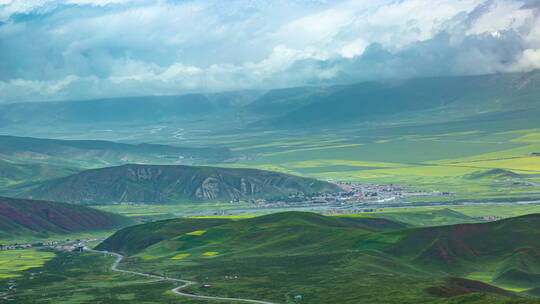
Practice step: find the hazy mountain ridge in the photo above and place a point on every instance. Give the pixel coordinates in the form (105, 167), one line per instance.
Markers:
(146, 108)
(454, 97)
(93, 153)
(443, 98)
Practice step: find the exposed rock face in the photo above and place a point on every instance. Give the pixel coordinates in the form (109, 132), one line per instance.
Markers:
(170, 184)
(209, 189)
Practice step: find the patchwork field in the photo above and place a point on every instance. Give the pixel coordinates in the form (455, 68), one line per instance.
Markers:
(434, 161)
(13, 262)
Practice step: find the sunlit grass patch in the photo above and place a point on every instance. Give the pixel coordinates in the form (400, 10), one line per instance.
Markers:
(533, 136)
(232, 217)
(268, 167)
(210, 253)
(514, 289)
(524, 163)
(485, 277)
(197, 232)
(14, 261)
(460, 133)
(407, 174)
(520, 151)
(340, 162)
(180, 256)
(144, 214)
(313, 148)
(274, 144)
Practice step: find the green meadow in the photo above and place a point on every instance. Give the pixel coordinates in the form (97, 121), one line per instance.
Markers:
(13, 262)
(379, 258)
(152, 212)
(75, 278)
(449, 161)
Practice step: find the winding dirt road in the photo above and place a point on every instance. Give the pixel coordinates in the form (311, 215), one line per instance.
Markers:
(176, 290)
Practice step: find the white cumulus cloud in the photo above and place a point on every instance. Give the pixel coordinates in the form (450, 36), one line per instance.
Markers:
(74, 49)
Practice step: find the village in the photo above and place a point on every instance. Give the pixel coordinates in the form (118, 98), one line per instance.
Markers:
(351, 192)
(66, 245)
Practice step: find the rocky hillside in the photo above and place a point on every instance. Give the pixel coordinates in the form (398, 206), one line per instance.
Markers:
(170, 184)
(20, 217)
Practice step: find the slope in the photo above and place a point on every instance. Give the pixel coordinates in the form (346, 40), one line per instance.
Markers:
(333, 259)
(127, 109)
(29, 218)
(170, 184)
(435, 99)
(465, 248)
(15, 173)
(276, 234)
(94, 153)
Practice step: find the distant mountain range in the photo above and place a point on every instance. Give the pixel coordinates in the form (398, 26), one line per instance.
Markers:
(424, 99)
(169, 184)
(30, 218)
(127, 109)
(444, 97)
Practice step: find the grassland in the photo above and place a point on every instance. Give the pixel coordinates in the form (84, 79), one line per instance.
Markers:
(429, 159)
(24, 239)
(430, 156)
(370, 258)
(151, 212)
(475, 210)
(13, 262)
(419, 217)
(342, 259)
(75, 278)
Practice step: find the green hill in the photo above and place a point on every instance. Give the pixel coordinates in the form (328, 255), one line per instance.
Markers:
(338, 259)
(14, 173)
(465, 248)
(29, 218)
(99, 153)
(137, 238)
(437, 217)
(265, 234)
(170, 184)
(492, 173)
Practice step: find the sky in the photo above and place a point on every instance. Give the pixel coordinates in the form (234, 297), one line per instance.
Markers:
(82, 49)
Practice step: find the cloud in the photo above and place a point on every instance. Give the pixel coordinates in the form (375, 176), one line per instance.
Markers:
(80, 49)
